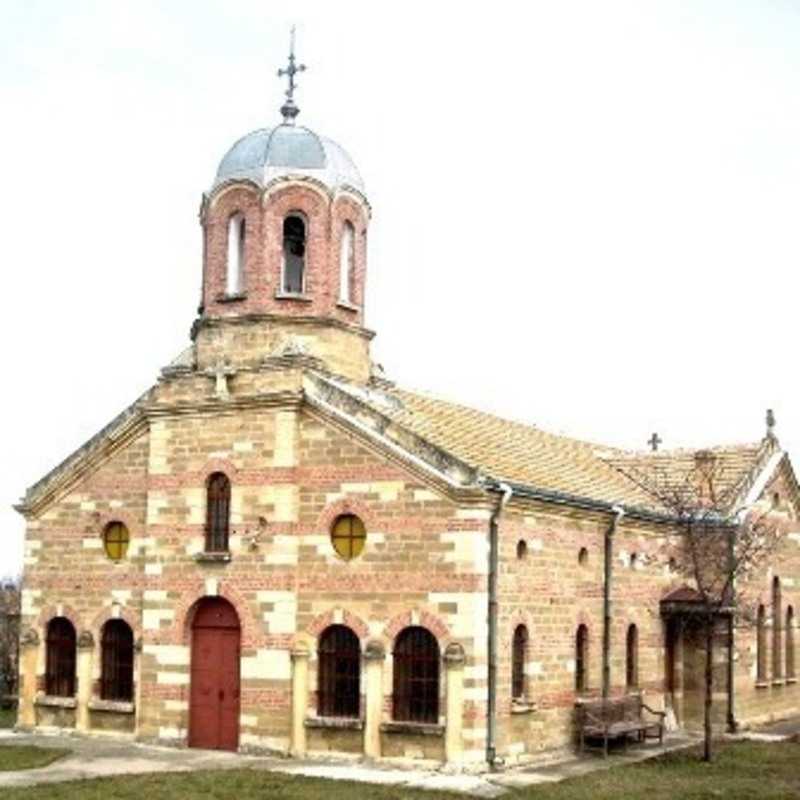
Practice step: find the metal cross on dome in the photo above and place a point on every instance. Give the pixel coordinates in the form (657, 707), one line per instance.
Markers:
(654, 441)
(289, 109)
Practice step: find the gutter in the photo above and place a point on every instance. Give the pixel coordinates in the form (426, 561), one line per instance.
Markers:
(491, 698)
(608, 572)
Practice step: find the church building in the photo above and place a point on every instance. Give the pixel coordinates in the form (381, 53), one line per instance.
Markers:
(276, 549)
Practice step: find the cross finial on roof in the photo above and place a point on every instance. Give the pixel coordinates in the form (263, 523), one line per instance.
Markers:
(770, 423)
(654, 441)
(289, 109)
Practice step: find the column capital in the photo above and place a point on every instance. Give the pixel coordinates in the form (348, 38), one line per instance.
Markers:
(29, 638)
(300, 652)
(374, 651)
(454, 655)
(85, 640)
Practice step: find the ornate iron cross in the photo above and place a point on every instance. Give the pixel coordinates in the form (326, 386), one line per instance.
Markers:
(654, 441)
(289, 109)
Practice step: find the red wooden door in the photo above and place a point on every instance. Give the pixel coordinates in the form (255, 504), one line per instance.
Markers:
(214, 694)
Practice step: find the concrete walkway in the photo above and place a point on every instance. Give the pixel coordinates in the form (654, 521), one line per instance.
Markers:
(96, 757)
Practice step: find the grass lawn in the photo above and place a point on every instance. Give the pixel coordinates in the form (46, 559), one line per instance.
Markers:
(13, 757)
(746, 771)
(8, 716)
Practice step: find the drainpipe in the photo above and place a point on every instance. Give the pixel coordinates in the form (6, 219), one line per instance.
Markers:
(491, 699)
(618, 513)
(733, 725)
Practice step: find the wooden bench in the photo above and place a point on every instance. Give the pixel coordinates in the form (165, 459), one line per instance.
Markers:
(618, 718)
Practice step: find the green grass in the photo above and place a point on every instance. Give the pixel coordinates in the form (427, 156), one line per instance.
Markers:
(746, 771)
(14, 757)
(8, 716)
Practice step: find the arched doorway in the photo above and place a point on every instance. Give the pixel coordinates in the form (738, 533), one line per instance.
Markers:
(214, 691)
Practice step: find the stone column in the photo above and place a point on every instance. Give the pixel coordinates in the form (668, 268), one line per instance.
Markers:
(28, 661)
(300, 655)
(374, 657)
(454, 681)
(83, 670)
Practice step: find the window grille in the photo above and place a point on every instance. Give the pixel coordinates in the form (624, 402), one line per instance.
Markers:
(339, 673)
(116, 540)
(60, 668)
(519, 648)
(581, 658)
(777, 659)
(761, 645)
(416, 676)
(218, 513)
(348, 536)
(790, 673)
(116, 682)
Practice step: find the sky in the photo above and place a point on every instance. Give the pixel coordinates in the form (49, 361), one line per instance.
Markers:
(584, 214)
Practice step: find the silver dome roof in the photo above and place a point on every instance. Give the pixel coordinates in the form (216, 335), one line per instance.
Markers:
(288, 150)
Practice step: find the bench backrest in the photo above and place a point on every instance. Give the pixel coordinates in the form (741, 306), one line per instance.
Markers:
(627, 708)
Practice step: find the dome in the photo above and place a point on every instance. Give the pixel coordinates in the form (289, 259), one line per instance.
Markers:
(284, 151)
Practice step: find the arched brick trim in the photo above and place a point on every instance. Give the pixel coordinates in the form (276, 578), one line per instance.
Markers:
(223, 465)
(328, 618)
(347, 505)
(66, 611)
(424, 619)
(226, 188)
(107, 612)
(277, 190)
(252, 633)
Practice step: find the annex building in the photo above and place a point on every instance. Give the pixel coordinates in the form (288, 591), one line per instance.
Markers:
(276, 548)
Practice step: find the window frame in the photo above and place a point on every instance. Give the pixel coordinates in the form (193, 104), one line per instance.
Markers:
(519, 657)
(415, 697)
(777, 614)
(582, 658)
(632, 657)
(338, 673)
(761, 644)
(285, 289)
(123, 541)
(236, 253)
(347, 271)
(218, 513)
(117, 661)
(60, 658)
(351, 537)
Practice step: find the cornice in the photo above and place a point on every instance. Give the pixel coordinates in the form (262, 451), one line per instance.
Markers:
(260, 318)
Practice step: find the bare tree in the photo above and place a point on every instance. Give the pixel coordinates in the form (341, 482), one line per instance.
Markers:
(9, 638)
(719, 548)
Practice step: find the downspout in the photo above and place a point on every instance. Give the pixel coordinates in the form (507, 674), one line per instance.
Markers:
(733, 725)
(618, 513)
(491, 698)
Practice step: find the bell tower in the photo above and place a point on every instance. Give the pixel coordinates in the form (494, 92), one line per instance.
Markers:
(285, 251)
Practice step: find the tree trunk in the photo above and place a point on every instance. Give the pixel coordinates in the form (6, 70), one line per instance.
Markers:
(709, 688)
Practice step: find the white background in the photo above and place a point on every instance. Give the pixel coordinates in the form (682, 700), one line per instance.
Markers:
(585, 214)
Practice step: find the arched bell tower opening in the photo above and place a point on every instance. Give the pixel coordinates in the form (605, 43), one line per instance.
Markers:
(285, 259)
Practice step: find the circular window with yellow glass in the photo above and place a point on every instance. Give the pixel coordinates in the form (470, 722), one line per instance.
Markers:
(116, 540)
(348, 536)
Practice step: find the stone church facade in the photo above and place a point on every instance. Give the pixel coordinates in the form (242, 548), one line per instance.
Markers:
(278, 549)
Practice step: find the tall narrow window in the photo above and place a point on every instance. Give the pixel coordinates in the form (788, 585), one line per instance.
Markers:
(218, 506)
(632, 657)
(777, 655)
(761, 644)
(60, 668)
(581, 658)
(790, 673)
(346, 262)
(294, 254)
(519, 650)
(235, 272)
(339, 673)
(416, 676)
(116, 679)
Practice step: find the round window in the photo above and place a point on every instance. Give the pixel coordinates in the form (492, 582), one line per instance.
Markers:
(348, 536)
(116, 540)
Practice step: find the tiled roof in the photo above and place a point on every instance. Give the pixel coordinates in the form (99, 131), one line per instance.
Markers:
(513, 451)
(679, 473)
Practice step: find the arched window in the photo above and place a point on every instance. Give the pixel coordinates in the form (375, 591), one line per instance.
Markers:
(218, 505)
(416, 676)
(632, 657)
(338, 673)
(235, 265)
(777, 656)
(294, 254)
(761, 644)
(116, 677)
(581, 658)
(790, 673)
(60, 668)
(346, 262)
(519, 650)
